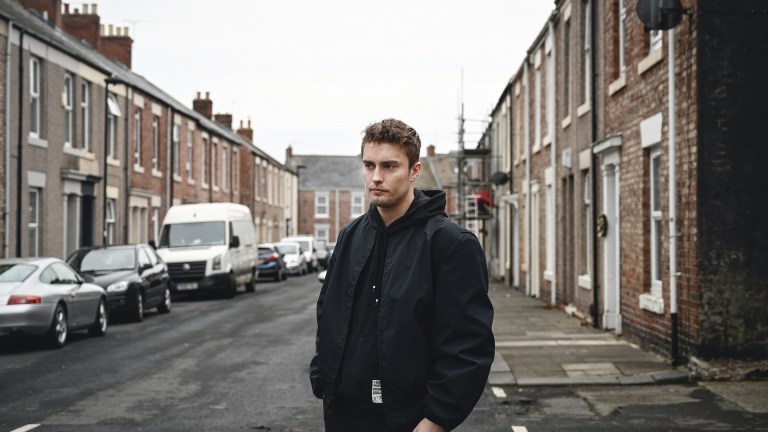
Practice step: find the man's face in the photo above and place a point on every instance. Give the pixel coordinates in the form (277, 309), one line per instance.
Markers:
(387, 177)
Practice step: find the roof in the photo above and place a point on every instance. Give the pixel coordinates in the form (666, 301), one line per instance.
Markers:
(328, 172)
(36, 26)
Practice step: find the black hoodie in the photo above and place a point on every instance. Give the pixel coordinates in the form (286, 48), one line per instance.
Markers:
(428, 337)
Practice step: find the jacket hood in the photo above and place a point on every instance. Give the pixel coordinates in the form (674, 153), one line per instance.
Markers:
(426, 203)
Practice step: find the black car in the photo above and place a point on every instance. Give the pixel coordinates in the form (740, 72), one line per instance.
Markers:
(272, 265)
(134, 277)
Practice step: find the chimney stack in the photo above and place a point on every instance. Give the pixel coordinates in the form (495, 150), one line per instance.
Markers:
(85, 26)
(51, 9)
(288, 154)
(202, 106)
(431, 150)
(224, 120)
(246, 132)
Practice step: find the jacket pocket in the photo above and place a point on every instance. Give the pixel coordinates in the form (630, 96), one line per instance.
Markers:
(359, 368)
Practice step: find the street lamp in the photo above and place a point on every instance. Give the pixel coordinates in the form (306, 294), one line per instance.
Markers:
(107, 81)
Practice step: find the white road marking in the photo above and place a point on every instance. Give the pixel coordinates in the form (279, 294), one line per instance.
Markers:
(26, 428)
(499, 392)
(519, 429)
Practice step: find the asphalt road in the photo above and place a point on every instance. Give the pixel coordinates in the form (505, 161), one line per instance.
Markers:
(241, 365)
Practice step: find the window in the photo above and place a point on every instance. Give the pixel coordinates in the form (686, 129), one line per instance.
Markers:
(567, 68)
(113, 113)
(190, 154)
(155, 143)
(256, 178)
(586, 229)
(235, 171)
(214, 150)
(586, 40)
(110, 221)
(357, 204)
(176, 148)
(655, 187)
(537, 105)
(622, 35)
(321, 205)
(68, 99)
(137, 137)
(224, 158)
(34, 222)
(321, 232)
(203, 158)
(85, 116)
(34, 96)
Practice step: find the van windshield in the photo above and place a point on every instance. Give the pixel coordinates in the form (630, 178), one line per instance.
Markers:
(193, 234)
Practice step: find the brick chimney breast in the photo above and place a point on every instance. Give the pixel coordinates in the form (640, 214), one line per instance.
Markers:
(224, 120)
(84, 26)
(52, 8)
(246, 132)
(431, 150)
(203, 106)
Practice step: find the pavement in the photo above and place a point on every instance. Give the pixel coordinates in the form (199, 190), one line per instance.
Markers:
(541, 346)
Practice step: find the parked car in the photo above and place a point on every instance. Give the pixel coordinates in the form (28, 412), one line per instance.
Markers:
(323, 256)
(293, 256)
(308, 247)
(134, 277)
(272, 265)
(210, 247)
(46, 297)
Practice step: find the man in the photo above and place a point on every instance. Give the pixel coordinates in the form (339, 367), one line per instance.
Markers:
(404, 341)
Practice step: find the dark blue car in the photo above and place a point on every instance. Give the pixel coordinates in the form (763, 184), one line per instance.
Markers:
(272, 265)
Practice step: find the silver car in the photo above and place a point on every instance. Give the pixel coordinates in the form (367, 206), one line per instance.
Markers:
(45, 297)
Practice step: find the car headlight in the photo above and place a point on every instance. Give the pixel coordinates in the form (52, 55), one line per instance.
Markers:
(217, 263)
(118, 287)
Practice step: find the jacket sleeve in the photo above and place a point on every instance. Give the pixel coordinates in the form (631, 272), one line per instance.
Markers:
(315, 373)
(462, 343)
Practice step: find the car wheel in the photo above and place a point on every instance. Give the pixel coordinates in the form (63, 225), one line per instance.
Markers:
(137, 314)
(99, 327)
(279, 275)
(283, 275)
(165, 305)
(251, 286)
(57, 334)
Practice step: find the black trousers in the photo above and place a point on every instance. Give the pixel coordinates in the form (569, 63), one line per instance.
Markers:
(341, 416)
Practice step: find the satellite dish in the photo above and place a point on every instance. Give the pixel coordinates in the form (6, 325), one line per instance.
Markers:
(659, 14)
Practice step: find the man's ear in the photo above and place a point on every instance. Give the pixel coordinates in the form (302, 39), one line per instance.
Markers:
(415, 170)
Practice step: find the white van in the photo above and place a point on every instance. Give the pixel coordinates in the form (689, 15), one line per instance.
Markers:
(210, 247)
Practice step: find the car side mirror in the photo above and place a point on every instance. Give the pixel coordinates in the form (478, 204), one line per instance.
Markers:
(235, 242)
(87, 278)
(153, 244)
(144, 267)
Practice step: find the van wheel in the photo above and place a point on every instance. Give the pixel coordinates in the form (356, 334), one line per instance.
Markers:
(251, 286)
(232, 287)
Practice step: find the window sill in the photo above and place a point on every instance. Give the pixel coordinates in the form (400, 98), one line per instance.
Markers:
(651, 59)
(138, 168)
(37, 141)
(548, 275)
(156, 173)
(191, 181)
(566, 122)
(617, 85)
(204, 186)
(68, 149)
(585, 281)
(215, 188)
(537, 148)
(652, 303)
(113, 162)
(547, 140)
(580, 111)
(176, 178)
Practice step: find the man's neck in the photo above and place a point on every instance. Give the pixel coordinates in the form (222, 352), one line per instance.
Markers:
(391, 214)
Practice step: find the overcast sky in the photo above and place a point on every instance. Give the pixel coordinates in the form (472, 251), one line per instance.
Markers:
(312, 73)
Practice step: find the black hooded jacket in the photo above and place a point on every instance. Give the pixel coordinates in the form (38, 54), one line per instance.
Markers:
(435, 344)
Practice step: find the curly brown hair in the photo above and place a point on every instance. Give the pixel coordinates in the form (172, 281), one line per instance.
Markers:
(397, 133)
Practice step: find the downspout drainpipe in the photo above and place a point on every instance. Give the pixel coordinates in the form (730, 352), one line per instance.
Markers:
(6, 218)
(20, 156)
(171, 156)
(528, 278)
(128, 165)
(672, 198)
(593, 161)
(210, 166)
(553, 157)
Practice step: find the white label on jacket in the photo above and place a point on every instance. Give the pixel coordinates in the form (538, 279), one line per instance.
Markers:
(376, 392)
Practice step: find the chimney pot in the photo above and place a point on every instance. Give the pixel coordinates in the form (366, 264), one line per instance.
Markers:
(111, 30)
(102, 30)
(77, 11)
(85, 8)
(207, 95)
(66, 8)
(93, 9)
(198, 95)
(118, 31)
(125, 31)
(249, 123)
